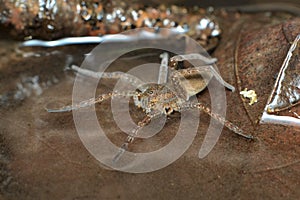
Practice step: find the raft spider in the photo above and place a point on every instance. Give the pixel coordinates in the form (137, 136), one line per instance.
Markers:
(158, 100)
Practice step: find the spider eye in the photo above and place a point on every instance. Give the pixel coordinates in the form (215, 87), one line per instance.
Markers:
(150, 92)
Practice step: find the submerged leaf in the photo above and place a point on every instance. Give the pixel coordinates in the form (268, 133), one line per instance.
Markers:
(286, 92)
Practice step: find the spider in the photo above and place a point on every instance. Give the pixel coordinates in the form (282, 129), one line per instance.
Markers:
(158, 100)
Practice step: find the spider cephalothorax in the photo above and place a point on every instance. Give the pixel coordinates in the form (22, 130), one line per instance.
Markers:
(157, 98)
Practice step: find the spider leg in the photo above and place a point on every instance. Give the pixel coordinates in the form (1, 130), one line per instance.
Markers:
(163, 69)
(194, 56)
(219, 118)
(175, 79)
(112, 75)
(130, 138)
(209, 69)
(90, 102)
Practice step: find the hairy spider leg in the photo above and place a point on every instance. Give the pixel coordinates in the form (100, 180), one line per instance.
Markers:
(210, 69)
(206, 67)
(219, 118)
(194, 56)
(133, 80)
(90, 102)
(163, 69)
(130, 138)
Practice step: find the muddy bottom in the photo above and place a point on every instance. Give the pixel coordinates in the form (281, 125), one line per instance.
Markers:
(42, 156)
